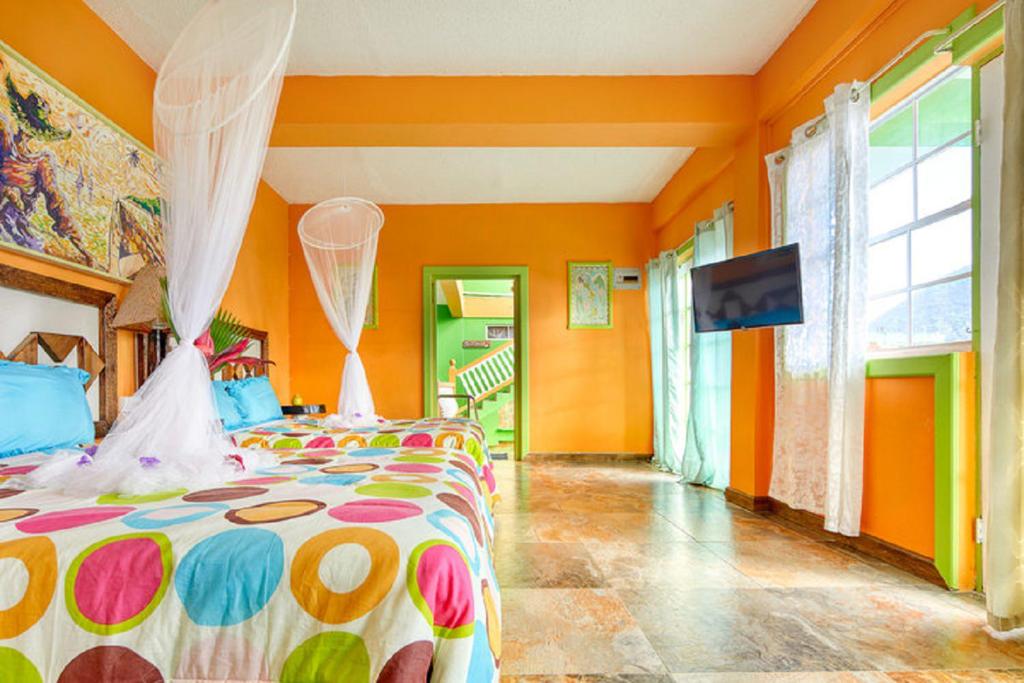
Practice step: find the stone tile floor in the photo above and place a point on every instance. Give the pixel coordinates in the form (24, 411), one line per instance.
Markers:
(612, 572)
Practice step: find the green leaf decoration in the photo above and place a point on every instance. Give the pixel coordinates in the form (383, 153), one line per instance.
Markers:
(226, 331)
(225, 328)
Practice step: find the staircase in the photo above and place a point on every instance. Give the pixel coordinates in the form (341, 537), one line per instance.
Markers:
(487, 375)
(489, 381)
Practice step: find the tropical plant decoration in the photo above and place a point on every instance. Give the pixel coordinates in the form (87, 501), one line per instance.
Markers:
(223, 342)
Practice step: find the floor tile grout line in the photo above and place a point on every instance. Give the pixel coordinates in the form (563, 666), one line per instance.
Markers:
(657, 653)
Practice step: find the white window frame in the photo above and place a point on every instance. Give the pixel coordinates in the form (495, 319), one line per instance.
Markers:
(509, 326)
(912, 101)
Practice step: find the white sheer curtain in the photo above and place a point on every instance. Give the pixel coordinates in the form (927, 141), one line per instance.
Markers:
(668, 297)
(708, 435)
(1004, 499)
(214, 103)
(339, 239)
(819, 193)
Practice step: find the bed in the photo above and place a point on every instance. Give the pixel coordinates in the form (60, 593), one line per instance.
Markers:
(369, 564)
(432, 432)
(365, 558)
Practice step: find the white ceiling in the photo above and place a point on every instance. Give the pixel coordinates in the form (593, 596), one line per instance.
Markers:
(500, 37)
(472, 175)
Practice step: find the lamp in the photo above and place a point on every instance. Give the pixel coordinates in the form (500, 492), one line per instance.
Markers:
(142, 312)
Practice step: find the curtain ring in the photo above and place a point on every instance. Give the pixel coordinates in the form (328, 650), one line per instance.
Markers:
(780, 159)
(811, 131)
(855, 95)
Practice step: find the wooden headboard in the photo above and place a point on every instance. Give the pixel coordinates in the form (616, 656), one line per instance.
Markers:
(100, 362)
(262, 350)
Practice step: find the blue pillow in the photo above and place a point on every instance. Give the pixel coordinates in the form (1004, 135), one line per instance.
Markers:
(256, 400)
(43, 407)
(227, 406)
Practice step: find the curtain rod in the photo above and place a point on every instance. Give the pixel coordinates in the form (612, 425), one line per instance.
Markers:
(812, 124)
(903, 53)
(947, 44)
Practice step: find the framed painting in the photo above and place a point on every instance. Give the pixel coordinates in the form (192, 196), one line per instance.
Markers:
(372, 321)
(590, 295)
(74, 187)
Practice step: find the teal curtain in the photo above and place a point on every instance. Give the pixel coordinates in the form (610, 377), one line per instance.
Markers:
(706, 455)
(668, 304)
(657, 366)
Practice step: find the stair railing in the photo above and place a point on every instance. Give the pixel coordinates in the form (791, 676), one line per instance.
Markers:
(488, 374)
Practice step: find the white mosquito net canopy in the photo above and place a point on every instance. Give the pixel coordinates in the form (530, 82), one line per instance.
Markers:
(339, 238)
(214, 103)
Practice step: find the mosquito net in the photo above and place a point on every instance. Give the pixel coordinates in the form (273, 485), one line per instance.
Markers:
(214, 103)
(339, 238)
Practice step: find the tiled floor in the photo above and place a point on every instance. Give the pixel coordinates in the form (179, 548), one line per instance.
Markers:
(611, 572)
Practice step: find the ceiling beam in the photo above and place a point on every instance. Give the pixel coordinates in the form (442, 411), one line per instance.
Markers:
(452, 290)
(513, 111)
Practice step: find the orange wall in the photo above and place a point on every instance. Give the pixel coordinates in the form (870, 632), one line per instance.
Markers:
(74, 46)
(899, 462)
(589, 389)
(838, 41)
(258, 292)
(679, 228)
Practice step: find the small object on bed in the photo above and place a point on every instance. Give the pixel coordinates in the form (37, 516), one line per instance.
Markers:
(43, 407)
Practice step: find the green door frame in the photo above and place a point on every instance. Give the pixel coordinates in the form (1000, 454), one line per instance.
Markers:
(945, 370)
(520, 275)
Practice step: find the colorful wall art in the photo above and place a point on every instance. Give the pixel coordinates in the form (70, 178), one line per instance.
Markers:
(73, 186)
(590, 297)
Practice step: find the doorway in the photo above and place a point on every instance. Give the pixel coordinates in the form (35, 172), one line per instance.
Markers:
(476, 343)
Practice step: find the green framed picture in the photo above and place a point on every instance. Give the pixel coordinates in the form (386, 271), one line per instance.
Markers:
(372, 320)
(590, 295)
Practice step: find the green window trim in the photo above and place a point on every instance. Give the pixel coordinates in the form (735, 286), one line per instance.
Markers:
(945, 370)
(966, 46)
(976, 36)
(918, 58)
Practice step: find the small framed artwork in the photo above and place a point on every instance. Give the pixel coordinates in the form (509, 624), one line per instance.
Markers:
(590, 295)
(372, 321)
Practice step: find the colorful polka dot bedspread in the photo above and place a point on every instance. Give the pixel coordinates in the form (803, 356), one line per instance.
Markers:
(360, 563)
(457, 433)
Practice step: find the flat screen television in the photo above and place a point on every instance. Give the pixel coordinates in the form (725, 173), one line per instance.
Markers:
(757, 290)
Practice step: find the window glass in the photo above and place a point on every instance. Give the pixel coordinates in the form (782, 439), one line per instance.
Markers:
(920, 218)
(500, 332)
(943, 180)
(891, 204)
(941, 249)
(888, 321)
(944, 113)
(941, 313)
(892, 144)
(887, 265)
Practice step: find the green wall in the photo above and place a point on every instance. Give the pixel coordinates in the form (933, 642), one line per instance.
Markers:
(452, 331)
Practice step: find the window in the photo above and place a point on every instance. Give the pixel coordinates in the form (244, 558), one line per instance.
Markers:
(920, 219)
(500, 332)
